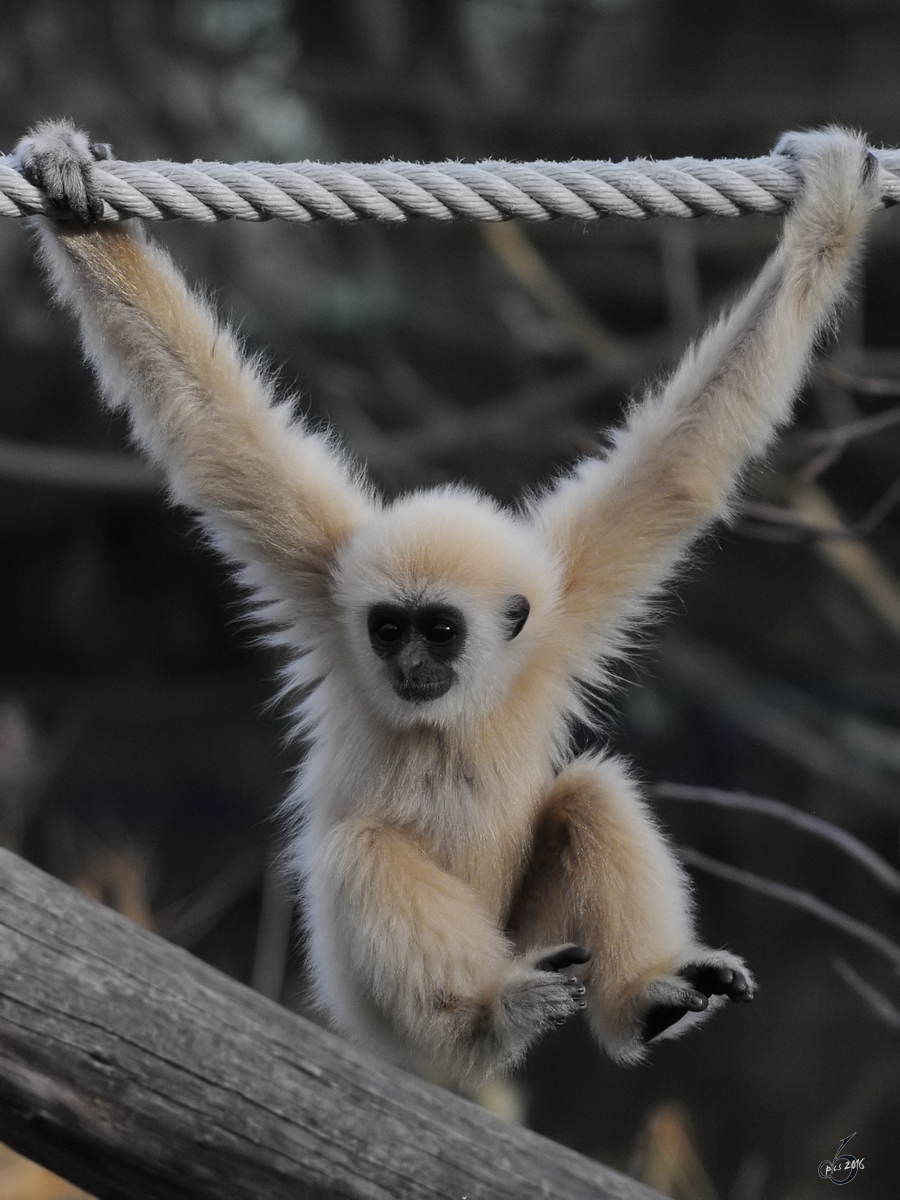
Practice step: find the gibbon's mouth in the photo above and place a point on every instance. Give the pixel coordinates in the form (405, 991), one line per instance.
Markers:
(420, 693)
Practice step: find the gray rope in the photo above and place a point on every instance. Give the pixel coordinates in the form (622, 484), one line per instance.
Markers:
(395, 191)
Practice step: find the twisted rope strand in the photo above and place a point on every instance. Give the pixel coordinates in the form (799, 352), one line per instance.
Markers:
(395, 191)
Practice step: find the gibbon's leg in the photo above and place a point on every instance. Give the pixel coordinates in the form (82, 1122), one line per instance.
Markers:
(620, 522)
(275, 495)
(404, 951)
(602, 874)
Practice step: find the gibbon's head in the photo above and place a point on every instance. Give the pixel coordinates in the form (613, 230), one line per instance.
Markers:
(443, 596)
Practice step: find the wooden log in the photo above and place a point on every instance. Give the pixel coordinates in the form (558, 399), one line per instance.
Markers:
(135, 1070)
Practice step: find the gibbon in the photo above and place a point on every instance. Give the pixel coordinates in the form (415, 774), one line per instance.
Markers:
(466, 883)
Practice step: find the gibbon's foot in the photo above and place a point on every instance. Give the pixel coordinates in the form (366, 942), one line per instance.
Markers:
(542, 996)
(59, 159)
(702, 981)
(717, 979)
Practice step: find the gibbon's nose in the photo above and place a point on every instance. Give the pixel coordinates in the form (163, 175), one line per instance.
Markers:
(413, 658)
(418, 677)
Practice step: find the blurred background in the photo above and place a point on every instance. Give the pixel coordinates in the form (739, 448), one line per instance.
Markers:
(139, 757)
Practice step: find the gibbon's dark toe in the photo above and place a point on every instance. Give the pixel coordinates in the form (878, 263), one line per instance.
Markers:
(577, 991)
(567, 956)
(659, 1019)
(719, 980)
(741, 989)
(76, 197)
(94, 206)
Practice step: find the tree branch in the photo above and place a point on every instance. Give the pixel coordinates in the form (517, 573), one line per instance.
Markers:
(882, 870)
(875, 1001)
(805, 901)
(133, 1069)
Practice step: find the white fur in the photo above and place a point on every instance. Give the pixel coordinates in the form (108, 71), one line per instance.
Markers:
(443, 847)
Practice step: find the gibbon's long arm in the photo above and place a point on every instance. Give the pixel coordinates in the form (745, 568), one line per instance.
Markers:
(275, 494)
(620, 523)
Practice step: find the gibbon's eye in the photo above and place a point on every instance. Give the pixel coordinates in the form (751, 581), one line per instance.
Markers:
(440, 633)
(388, 629)
(516, 614)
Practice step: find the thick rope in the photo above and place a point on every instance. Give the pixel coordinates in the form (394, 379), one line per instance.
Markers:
(395, 191)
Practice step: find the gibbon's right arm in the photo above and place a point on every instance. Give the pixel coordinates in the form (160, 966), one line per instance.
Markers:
(277, 497)
(621, 522)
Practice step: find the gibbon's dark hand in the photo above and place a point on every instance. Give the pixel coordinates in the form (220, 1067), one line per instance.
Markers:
(59, 159)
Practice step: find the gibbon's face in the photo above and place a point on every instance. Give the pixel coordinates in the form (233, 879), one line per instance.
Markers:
(442, 597)
(421, 644)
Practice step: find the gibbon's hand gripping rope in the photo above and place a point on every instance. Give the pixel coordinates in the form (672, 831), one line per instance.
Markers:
(395, 191)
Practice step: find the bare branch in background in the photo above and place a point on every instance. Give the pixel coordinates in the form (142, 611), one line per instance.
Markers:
(814, 514)
(875, 1001)
(786, 721)
(273, 935)
(857, 563)
(547, 397)
(816, 826)
(796, 898)
(802, 528)
(22, 772)
(56, 466)
(24, 1180)
(608, 354)
(681, 278)
(187, 920)
(789, 525)
(841, 435)
(117, 874)
(666, 1156)
(862, 383)
(830, 444)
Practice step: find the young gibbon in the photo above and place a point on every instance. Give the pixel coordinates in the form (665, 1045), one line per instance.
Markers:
(466, 882)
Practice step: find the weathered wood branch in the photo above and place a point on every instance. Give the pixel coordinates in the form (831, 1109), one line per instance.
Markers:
(135, 1070)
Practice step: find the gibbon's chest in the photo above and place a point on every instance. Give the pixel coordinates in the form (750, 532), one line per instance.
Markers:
(472, 818)
(469, 804)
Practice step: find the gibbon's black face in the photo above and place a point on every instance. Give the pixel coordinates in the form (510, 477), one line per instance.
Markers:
(420, 646)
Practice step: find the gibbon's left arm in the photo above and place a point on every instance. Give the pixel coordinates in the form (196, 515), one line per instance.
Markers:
(277, 497)
(620, 523)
